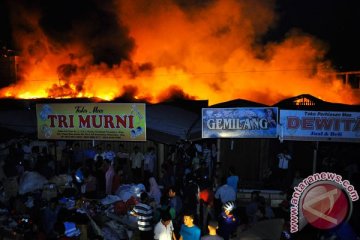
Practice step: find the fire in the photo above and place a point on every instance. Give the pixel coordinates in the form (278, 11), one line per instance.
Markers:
(157, 50)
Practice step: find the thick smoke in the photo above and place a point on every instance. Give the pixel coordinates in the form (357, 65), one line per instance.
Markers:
(89, 23)
(163, 49)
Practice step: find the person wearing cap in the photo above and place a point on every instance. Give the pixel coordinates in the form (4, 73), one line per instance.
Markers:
(164, 229)
(212, 226)
(228, 222)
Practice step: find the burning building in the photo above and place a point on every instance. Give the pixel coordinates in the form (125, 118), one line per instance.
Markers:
(8, 67)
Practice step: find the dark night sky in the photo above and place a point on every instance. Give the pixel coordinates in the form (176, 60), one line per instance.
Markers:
(336, 22)
(333, 21)
(4, 26)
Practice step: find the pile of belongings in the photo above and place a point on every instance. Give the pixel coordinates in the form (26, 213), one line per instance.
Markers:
(125, 198)
(119, 224)
(30, 182)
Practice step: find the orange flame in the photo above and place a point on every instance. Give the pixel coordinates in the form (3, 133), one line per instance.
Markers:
(209, 52)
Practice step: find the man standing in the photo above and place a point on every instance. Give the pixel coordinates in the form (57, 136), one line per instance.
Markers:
(233, 179)
(89, 152)
(109, 176)
(283, 167)
(136, 159)
(78, 156)
(124, 164)
(109, 154)
(123, 156)
(189, 231)
(164, 229)
(175, 200)
(223, 194)
(144, 214)
(99, 154)
(149, 162)
(206, 197)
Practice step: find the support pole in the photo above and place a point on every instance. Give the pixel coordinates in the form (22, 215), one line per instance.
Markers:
(218, 148)
(315, 156)
(160, 158)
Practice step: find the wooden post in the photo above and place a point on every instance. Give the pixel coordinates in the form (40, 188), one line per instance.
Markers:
(315, 156)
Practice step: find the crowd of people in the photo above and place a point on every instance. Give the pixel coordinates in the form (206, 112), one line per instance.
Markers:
(194, 197)
(191, 198)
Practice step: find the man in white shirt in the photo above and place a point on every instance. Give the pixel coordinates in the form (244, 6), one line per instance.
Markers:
(284, 157)
(164, 229)
(123, 155)
(149, 162)
(283, 167)
(136, 159)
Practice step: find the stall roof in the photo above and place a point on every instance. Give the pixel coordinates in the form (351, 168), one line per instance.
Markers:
(309, 102)
(166, 122)
(172, 121)
(18, 121)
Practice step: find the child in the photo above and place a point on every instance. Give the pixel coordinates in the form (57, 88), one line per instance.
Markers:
(228, 222)
(212, 226)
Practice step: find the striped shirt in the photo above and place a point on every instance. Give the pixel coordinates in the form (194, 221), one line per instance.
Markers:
(144, 215)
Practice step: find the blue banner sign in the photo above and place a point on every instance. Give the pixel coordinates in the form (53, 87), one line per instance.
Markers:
(239, 122)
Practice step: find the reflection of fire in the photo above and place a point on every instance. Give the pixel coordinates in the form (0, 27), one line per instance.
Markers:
(155, 51)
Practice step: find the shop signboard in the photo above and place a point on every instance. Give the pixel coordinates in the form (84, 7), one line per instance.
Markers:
(92, 121)
(319, 126)
(239, 122)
